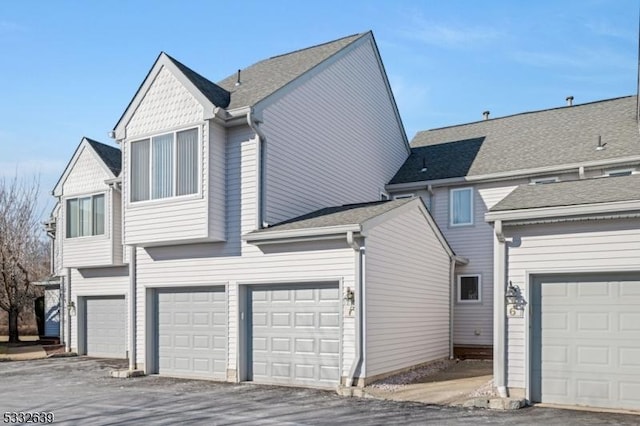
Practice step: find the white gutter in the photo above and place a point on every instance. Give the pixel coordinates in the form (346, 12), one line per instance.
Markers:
(579, 209)
(499, 311)
(132, 308)
(254, 124)
(360, 317)
(515, 173)
(268, 235)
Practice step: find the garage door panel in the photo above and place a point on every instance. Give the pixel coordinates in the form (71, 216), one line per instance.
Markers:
(295, 334)
(192, 332)
(586, 340)
(105, 326)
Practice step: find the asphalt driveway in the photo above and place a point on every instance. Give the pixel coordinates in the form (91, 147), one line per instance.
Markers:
(79, 391)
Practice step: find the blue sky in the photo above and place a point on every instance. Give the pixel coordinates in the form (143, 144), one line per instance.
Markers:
(69, 68)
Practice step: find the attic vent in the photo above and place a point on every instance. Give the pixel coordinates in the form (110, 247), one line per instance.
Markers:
(486, 114)
(238, 82)
(569, 100)
(424, 165)
(601, 146)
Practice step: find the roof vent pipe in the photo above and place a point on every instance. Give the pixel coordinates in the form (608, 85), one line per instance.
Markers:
(238, 82)
(486, 114)
(569, 100)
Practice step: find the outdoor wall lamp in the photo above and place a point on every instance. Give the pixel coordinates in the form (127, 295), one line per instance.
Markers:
(72, 308)
(349, 297)
(511, 295)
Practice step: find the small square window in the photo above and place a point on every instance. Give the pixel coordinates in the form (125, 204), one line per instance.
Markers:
(469, 289)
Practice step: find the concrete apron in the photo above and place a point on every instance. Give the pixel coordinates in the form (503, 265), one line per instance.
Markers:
(22, 353)
(452, 386)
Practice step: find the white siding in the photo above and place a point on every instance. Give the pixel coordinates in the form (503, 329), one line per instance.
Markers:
(86, 177)
(570, 247)
(234, 262)
(116, 233)
(407, 295)
(166, 105)
(473, 322)
(216, 179)
(96, 282)
(334, 139)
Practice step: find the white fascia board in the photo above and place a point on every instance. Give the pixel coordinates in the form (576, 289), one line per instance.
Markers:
(515, 173)
(563, 211)
(308, 233)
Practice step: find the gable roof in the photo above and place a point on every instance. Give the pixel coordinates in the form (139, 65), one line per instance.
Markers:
(552, 137)
(216, 94)
(111, 156)
(348, 214)
(571, 193)
(268, 76)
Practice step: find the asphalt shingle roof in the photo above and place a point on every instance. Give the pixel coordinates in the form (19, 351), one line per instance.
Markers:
(111, 156)
(348, 214)
(524, 141)
(216, 94)
(265, 77)
(568, 193)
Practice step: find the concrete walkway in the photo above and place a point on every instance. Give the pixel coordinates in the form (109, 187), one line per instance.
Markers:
(452, 386)
(21, 353)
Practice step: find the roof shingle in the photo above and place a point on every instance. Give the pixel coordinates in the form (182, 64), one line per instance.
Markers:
(552, 137)
(569, 193)
(216, 94)
(111, 156)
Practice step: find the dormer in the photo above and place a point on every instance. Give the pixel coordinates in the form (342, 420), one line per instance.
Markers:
(88, 220)
(174, 165)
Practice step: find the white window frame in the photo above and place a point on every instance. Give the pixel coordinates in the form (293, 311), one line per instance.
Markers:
(174, 167)
(91, 197)
(619, 172)
(544, 180)
(471, 205)
(404, 196)
(459, 285)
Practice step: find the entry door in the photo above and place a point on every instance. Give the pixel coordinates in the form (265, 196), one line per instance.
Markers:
(586, 340)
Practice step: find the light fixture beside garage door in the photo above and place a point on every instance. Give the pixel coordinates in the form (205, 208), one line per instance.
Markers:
(514, 301)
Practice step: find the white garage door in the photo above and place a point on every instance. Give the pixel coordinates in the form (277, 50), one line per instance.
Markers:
(295, 334)
(586, 340)
(192, 332)
(106, 326)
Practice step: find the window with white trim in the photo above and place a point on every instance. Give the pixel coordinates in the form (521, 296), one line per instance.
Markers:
(164, 166)
(461, 206)
(469, 288)
(85, 216)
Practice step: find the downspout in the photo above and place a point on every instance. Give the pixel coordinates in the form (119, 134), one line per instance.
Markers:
(132, 308)
(499, 355)
(68, 312)
(359, 326)
(254, 124)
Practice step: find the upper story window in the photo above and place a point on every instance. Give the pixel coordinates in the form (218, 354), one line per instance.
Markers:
(619, 172)
(164, 166)
(461, 206)
(85, 216)
(542, 180)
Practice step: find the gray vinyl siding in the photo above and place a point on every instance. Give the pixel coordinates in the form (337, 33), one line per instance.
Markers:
(216, 181)
(96, 282)
(603, 246)
(407, 295)
(233, 263)
(332, 139)
(473, 322)
(86, 178)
